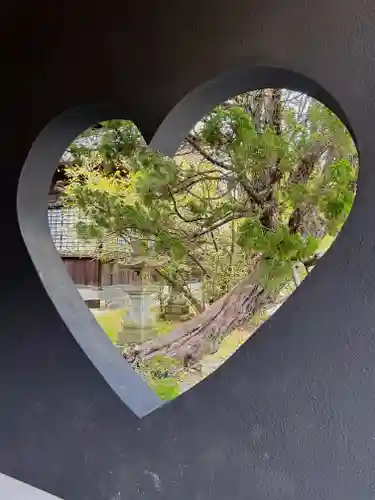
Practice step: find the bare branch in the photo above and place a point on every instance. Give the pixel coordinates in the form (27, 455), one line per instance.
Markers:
(196, 261)
(220, 223)
(178, 213)
(306, 164)
(214, 241)
(221, 164)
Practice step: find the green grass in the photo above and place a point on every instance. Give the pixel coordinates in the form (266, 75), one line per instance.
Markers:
(110, 321)
(165, 327)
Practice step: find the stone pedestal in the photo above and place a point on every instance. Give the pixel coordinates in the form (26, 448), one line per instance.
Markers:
(139, 320)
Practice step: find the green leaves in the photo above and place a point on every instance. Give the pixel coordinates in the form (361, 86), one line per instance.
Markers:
(226, 200)
(338, 197)
(280, 248)
(251, 236)
(173, 244)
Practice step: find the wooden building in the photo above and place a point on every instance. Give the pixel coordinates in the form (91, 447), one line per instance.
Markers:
(76, 253)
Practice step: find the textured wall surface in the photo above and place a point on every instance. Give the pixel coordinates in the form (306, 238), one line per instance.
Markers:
(291, 416)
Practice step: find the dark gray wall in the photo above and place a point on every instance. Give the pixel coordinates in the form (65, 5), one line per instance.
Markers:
(292, 414)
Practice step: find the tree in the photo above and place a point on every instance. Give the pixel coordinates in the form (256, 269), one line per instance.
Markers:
(256, 187)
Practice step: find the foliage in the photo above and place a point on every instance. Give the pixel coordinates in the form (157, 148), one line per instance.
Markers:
(162, 375)
(269, 173)
(166, 389)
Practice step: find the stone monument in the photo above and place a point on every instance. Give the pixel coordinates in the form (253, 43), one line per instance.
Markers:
(139, 320)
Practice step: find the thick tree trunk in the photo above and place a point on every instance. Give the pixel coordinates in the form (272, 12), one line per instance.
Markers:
(203, 334)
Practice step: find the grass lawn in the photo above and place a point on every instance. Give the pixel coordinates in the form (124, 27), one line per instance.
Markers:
(110, 321)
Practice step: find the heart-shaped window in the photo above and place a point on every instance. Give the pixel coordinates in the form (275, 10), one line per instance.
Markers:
(181, 258)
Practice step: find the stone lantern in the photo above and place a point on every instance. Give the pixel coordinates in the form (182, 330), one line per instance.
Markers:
(139, 321)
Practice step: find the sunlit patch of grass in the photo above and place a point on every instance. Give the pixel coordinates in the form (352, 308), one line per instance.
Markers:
(110, 321)
(164, 327)
(229, 345)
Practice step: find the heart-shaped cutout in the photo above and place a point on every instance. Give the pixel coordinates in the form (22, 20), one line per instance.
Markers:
(126, 383)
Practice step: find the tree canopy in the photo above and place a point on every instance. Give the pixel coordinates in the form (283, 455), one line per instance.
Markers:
(258, 186)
